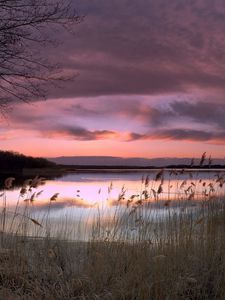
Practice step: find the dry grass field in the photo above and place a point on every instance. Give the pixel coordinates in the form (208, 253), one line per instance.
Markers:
(178, 256)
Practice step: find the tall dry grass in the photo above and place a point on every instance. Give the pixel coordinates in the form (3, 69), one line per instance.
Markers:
(176, 255)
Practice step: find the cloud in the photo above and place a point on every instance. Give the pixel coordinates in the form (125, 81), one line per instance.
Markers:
(194, 113)
(144, 47)
(148, 71)
(80, 134)
(201, 112)
(181, 134)
(160, 112)
(98, 119)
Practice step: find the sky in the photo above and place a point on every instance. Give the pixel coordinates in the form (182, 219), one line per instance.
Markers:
(150, 83)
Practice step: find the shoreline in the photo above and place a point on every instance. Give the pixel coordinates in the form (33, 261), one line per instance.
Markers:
(62, 170)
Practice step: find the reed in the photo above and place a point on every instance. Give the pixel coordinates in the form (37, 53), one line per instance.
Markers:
(132, 255)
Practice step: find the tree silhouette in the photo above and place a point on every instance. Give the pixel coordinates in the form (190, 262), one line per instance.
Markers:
(26, 26)
(15, 161)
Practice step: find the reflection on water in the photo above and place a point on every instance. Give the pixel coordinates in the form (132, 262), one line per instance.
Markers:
(82, 197)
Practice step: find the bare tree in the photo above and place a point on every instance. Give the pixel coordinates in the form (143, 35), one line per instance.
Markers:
(26, 26)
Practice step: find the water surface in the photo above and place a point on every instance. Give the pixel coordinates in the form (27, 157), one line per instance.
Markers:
(82, 198)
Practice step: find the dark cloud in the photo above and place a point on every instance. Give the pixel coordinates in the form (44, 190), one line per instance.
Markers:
(145, 47)
(195, 113)
(100, 119)
(79, 133)
(201, 112)
(182, 134)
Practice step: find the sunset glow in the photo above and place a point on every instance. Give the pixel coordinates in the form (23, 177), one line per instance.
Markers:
(150, 83)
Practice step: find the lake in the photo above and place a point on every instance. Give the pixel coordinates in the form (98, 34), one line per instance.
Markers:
(82, 199)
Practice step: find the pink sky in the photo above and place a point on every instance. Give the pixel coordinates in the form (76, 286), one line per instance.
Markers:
(151, 84)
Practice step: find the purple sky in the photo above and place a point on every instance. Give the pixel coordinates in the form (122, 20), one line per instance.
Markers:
(151, 82)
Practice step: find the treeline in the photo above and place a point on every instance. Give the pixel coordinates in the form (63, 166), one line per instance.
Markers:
(16, 161)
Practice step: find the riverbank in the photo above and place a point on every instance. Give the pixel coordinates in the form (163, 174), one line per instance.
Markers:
(185, 259)
(165, 242)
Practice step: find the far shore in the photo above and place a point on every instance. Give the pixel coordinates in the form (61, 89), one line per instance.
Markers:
(61, 170)
(138, 169)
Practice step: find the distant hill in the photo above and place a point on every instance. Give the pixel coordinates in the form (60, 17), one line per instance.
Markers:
(11, 161)
(125, 162)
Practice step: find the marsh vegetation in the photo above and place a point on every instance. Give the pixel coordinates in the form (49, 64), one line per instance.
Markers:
(159, 244)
